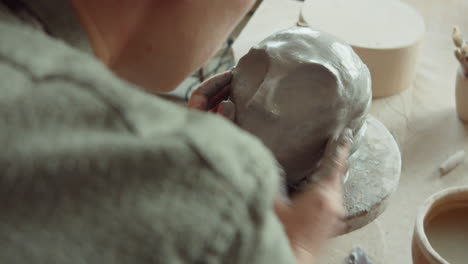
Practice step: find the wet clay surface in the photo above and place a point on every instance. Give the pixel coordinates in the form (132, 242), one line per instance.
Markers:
(297, 89)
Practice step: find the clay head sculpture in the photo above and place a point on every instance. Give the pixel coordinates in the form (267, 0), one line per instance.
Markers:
(297, 89)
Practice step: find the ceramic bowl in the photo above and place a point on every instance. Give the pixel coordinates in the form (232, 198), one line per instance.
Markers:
(436, 205)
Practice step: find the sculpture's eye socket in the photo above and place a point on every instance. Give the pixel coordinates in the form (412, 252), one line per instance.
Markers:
(249, 75)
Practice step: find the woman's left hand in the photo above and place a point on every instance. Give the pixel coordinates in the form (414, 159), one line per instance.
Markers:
(317, 213)
(212, 96)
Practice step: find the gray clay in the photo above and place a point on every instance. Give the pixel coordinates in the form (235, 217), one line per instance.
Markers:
(297, 89)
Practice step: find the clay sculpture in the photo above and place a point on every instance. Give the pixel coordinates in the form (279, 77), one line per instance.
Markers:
(297, 89)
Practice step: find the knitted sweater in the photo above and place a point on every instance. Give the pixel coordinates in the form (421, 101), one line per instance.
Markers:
(94, 170)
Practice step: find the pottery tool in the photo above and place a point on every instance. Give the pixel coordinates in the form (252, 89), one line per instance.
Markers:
(452, 162)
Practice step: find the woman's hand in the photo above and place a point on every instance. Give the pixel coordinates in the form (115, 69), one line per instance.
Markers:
(212, 95)
(317, 213)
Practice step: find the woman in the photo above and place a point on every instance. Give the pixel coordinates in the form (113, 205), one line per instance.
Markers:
(95, 170)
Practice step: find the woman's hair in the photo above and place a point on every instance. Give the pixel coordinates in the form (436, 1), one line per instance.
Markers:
(22, 11)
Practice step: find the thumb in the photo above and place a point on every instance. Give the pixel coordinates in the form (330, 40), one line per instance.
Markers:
(334, 162)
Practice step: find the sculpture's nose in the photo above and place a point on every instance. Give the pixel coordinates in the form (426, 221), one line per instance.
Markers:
(263, 98)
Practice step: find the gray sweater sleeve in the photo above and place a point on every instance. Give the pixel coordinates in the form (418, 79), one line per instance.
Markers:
(93, 170)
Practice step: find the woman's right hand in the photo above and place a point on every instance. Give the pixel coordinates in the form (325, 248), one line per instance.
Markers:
(212, 95)
(317, 213)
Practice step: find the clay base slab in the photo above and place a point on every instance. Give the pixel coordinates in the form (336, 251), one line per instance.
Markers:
(373, 175)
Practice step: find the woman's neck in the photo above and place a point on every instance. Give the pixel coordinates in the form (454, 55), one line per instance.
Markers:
(109, 25)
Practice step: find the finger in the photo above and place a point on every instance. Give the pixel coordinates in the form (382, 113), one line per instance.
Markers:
(335, 146)
(213, 85)
(341, 228)
(334, 163)
(213, 109)
(222, 95)
(227, 109)
(198, 101)
(336, 167)
(211, 92)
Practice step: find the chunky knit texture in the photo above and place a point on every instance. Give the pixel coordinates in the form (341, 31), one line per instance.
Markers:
(93, 170)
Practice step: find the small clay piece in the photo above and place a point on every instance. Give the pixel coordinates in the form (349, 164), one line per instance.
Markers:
(452, 162)
(358, 256)
(296, 90)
